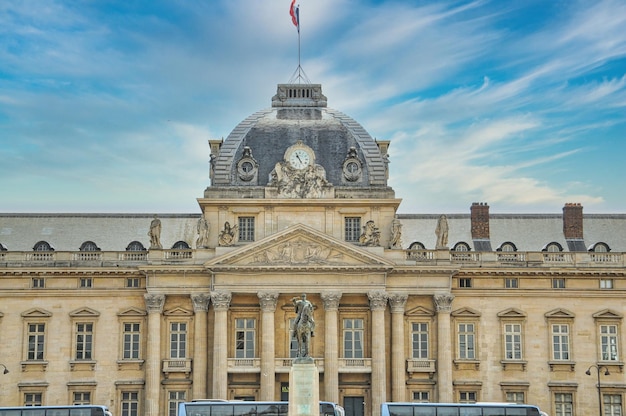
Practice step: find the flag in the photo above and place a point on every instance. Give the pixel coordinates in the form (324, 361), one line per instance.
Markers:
(294, 12)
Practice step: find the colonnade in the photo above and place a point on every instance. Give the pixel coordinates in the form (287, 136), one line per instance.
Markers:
(267, 300)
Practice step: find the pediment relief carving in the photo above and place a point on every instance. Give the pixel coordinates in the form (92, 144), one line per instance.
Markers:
(299, 246)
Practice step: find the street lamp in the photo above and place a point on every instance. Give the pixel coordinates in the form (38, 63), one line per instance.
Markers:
(6, 370)
(606, 373)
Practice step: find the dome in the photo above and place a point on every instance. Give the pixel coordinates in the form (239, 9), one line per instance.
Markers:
(341, 153)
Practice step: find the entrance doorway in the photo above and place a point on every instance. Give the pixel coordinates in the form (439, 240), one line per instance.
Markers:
(354, 405)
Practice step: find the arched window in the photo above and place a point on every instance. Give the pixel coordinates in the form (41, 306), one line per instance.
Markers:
(135, 246)
(89, 246)
(461, 246)
(416, 245)
(42, 246)
(600, 248)
(553, 247)
(508, 246)
(181, 245)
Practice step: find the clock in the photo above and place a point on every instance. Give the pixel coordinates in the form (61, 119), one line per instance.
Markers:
(299, 159)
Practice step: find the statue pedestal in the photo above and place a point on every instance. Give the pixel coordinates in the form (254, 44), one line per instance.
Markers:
(304, 390)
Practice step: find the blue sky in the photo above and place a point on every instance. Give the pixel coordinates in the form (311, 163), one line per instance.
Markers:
(107, 106)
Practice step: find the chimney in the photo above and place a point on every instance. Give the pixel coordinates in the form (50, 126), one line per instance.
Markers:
(573, 221)
(480, 221)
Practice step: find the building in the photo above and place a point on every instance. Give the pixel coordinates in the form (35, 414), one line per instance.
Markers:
(140, 312)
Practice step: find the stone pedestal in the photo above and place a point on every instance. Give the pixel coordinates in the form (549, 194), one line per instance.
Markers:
(304, 396)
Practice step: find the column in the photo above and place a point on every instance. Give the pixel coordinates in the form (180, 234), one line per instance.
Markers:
(268, 339)
(154, 305)
(221, 302)
(397, 301)
(331, 346)
(378, 303)
(443, 304)
(200, 307)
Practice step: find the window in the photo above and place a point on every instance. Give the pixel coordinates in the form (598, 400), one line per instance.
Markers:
(511, 283)
(135, 246)
(180, 245)
(465, 282)
(553, 247)
(131, 341)
(352, 229)
(419, 340)
(421, 396)
(353, 338)
(515, 397)
(133, 282)
(558, 283)
(246, 228)
(89, 246)
(173, 400)
(461, 246)
(513, 341)
(36, 338)
(83, 397)
(416, 245)
(507, 247)
(563, 404)
(606, 283)
(466, 341)
(560, 342)
(612, 404)
(178, 340)
(467, 397)
(130, 403)
(84, 341)
(42, 246)
(245, 334)
(38, 283)
(600, 248)
(85, 282)
(608, 342)
(33, 399)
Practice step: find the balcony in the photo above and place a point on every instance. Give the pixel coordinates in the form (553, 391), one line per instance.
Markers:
(355, 365)
(414, 365)
(177, 365)
(244, 365)
(283, 365)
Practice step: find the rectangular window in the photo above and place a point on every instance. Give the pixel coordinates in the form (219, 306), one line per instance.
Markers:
(246, 228)
(515, 397)
(293, 340)
(130, 403)
(38, 283)
(513, 341)
(558, 283)
(465, 282)
(612, 405)
(421, 396)
(132, 282)
(132, 340)
(511, 282)
(178, 340)
(173, 400)
(84, 341)
(560, 342)
(33, 399)
(606, 284)
(353, 338)
(85, 282)
(352, 229)
(36, 338)
(608, 342)
(81, 397)
(467, 397)
(466, 342)
(245, 334)
(563, 404)
(419, 340)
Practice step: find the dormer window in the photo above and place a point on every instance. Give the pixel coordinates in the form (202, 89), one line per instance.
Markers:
(135, 246)
(89, 246)
(553, 247)
(42, 246)
(600, 248)
(507, 247)
(461, 246)
(181, 245)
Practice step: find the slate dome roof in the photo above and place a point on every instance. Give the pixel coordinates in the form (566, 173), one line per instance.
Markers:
(299, 113)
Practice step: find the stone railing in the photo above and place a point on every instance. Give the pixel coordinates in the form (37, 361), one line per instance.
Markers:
(177, 365)
(414, 365)
(355, 365)
(283, 365)
(244, 365)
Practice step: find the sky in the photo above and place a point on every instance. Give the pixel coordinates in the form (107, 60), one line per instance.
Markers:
(108, 106)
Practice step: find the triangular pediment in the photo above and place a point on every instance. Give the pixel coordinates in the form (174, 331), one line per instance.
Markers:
(466, 313)
(178, 311)
(85, 312)
(512, 313)
(607, 314)
(299, 247)
(420, 311)
(132, 311)
(36, 313)
(560, 313)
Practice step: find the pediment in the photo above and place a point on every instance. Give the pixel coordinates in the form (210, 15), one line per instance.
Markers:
(299, 247)
(607, 314)
(178, 311)
(85, 312)
(36, 313)
(420, 311)
(512, 313)
(466, 313)
(132, 312)
(560, 313)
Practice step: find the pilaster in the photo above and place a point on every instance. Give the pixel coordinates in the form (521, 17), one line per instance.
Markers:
(378, 304)
(443, 305)
(221, 303)
(331, 347)
(154, 306)
(397, 301)
(267, 301)
(200, 307)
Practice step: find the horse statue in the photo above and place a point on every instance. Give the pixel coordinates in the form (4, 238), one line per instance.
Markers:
(304, 326)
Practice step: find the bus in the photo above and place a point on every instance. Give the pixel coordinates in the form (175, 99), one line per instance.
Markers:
(247, 408)
(459, 409)
(70, 410)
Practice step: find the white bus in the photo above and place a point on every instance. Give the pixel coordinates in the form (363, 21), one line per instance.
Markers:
(248, 408)
(70, 410)
(459, 409)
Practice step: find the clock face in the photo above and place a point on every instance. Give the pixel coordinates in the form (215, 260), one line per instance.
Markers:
(299, 159)
(352, 167)
(246, 167)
